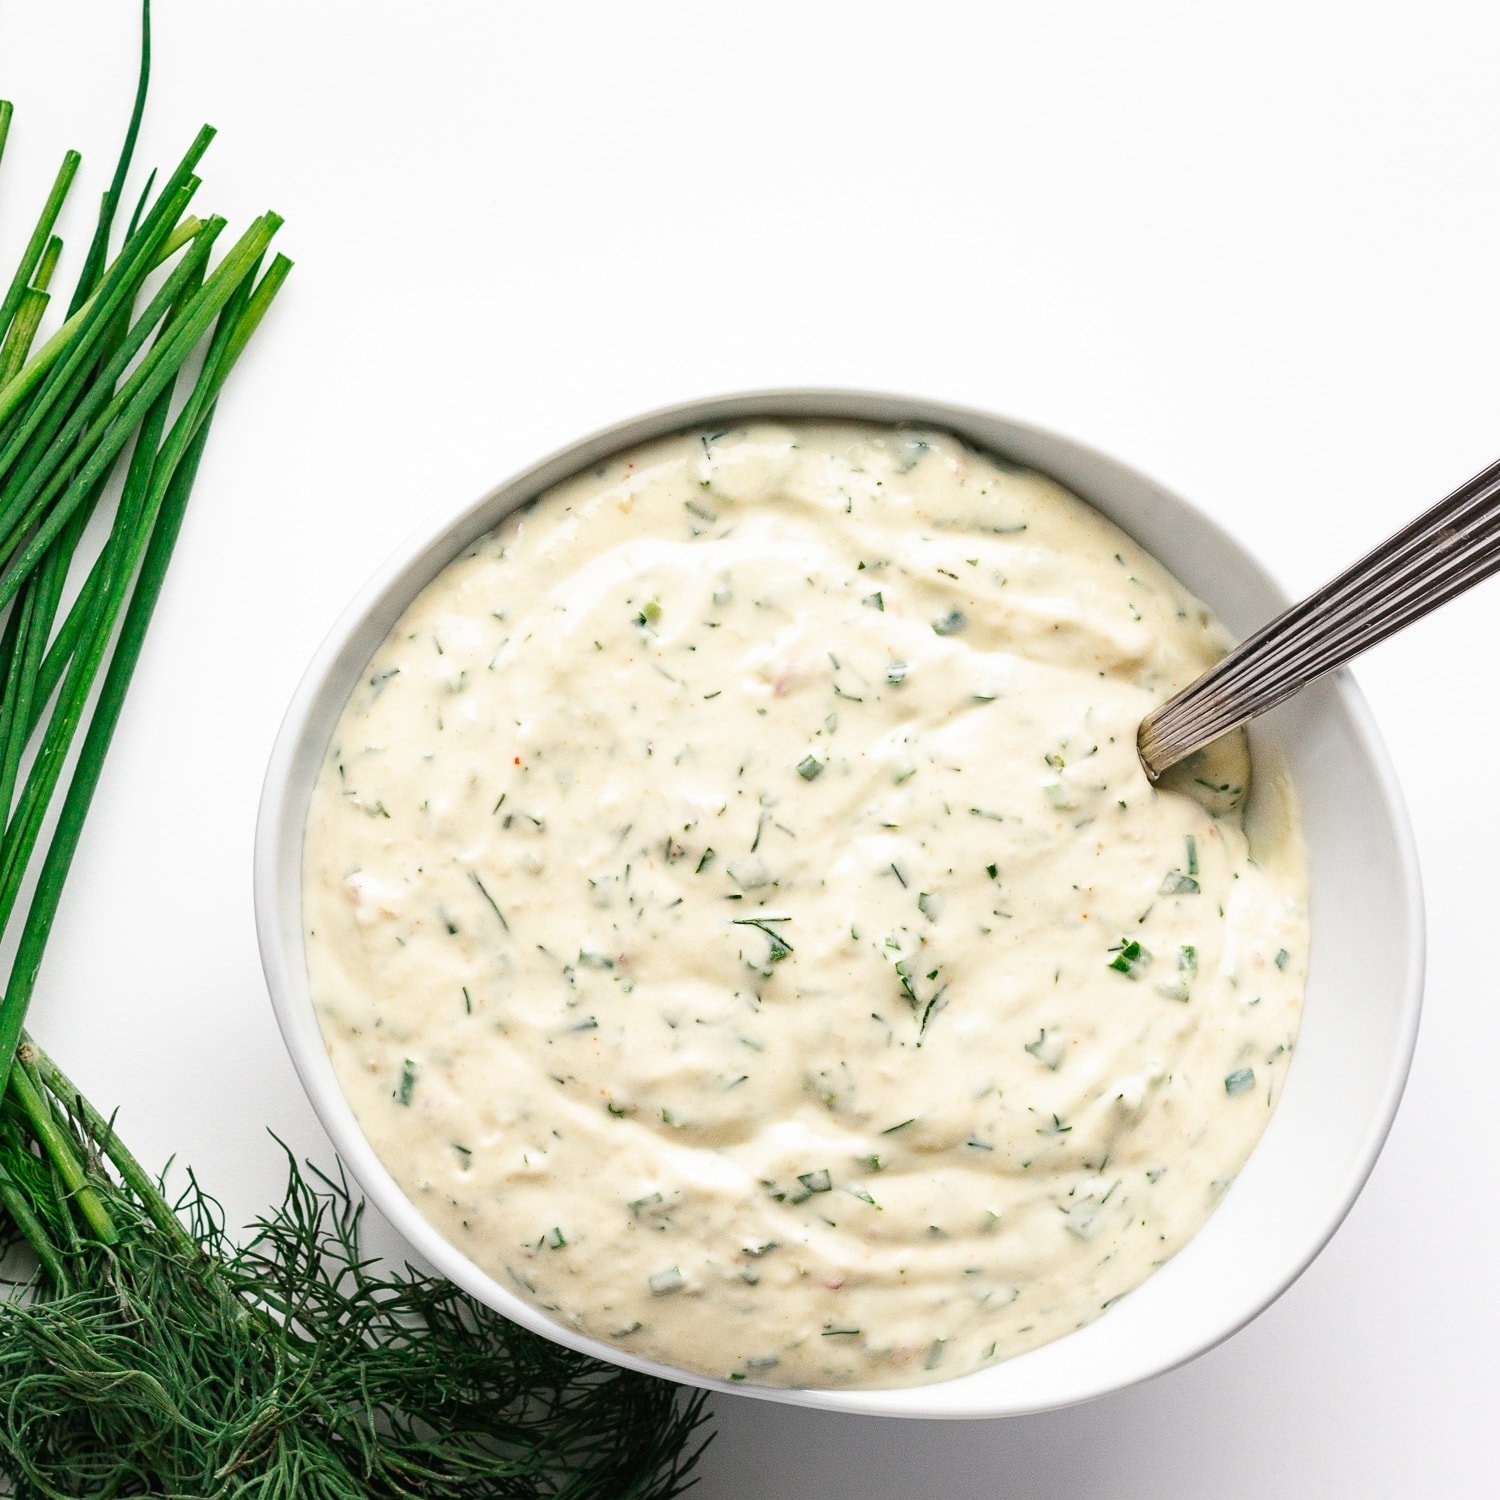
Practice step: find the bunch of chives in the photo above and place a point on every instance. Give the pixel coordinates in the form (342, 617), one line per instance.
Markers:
(98, 419)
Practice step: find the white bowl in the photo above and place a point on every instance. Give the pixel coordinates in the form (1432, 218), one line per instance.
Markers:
(1363, 995)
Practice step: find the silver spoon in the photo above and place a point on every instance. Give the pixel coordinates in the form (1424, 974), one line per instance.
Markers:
(1445, 551)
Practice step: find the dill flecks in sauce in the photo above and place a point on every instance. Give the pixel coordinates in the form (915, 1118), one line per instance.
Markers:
(740, 922)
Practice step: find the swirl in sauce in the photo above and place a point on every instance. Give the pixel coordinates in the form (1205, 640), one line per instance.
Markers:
(739, 920)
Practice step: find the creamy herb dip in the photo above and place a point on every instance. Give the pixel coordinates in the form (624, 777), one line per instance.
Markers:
(739, 920)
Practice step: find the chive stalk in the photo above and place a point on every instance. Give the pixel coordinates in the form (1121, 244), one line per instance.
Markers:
(41, 234)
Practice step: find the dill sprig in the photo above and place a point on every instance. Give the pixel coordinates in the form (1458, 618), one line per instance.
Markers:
(176, 1362)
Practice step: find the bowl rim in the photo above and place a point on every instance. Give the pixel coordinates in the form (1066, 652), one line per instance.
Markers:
(314, 1069)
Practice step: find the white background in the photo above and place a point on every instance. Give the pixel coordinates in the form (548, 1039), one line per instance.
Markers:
(1251, 250)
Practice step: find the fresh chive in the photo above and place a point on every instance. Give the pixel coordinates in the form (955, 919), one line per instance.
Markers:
(1130, 958)
(40, 235)
(122, 414)
(171, 485)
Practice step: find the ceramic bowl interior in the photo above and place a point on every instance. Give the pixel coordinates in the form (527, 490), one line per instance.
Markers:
(1363, 993)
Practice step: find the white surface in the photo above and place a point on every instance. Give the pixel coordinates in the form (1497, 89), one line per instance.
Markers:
(1250, 252)
(1364, 986)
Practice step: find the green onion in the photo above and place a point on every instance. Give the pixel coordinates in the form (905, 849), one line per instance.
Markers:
(1241, 1081)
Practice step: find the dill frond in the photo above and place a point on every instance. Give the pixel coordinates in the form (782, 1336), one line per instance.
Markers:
(288, 1366)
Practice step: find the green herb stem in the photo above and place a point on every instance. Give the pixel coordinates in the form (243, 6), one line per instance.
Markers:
(142, 387)
(40, 235)
(78, 435)
(98, 249)
(60, 1152)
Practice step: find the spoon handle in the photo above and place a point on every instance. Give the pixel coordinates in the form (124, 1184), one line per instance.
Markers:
(1444, 551)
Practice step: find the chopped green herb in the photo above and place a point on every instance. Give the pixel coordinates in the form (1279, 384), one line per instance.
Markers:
(780, 948)
(873, 601)
(490, 900)
(816, 1182)
(1282, 957)
(1187, 971)
(950, 623)
(1241, 1081)
(1048, 1050)
(1129, 958)
(408, 1083)
(662, 1283)
(809, 768)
